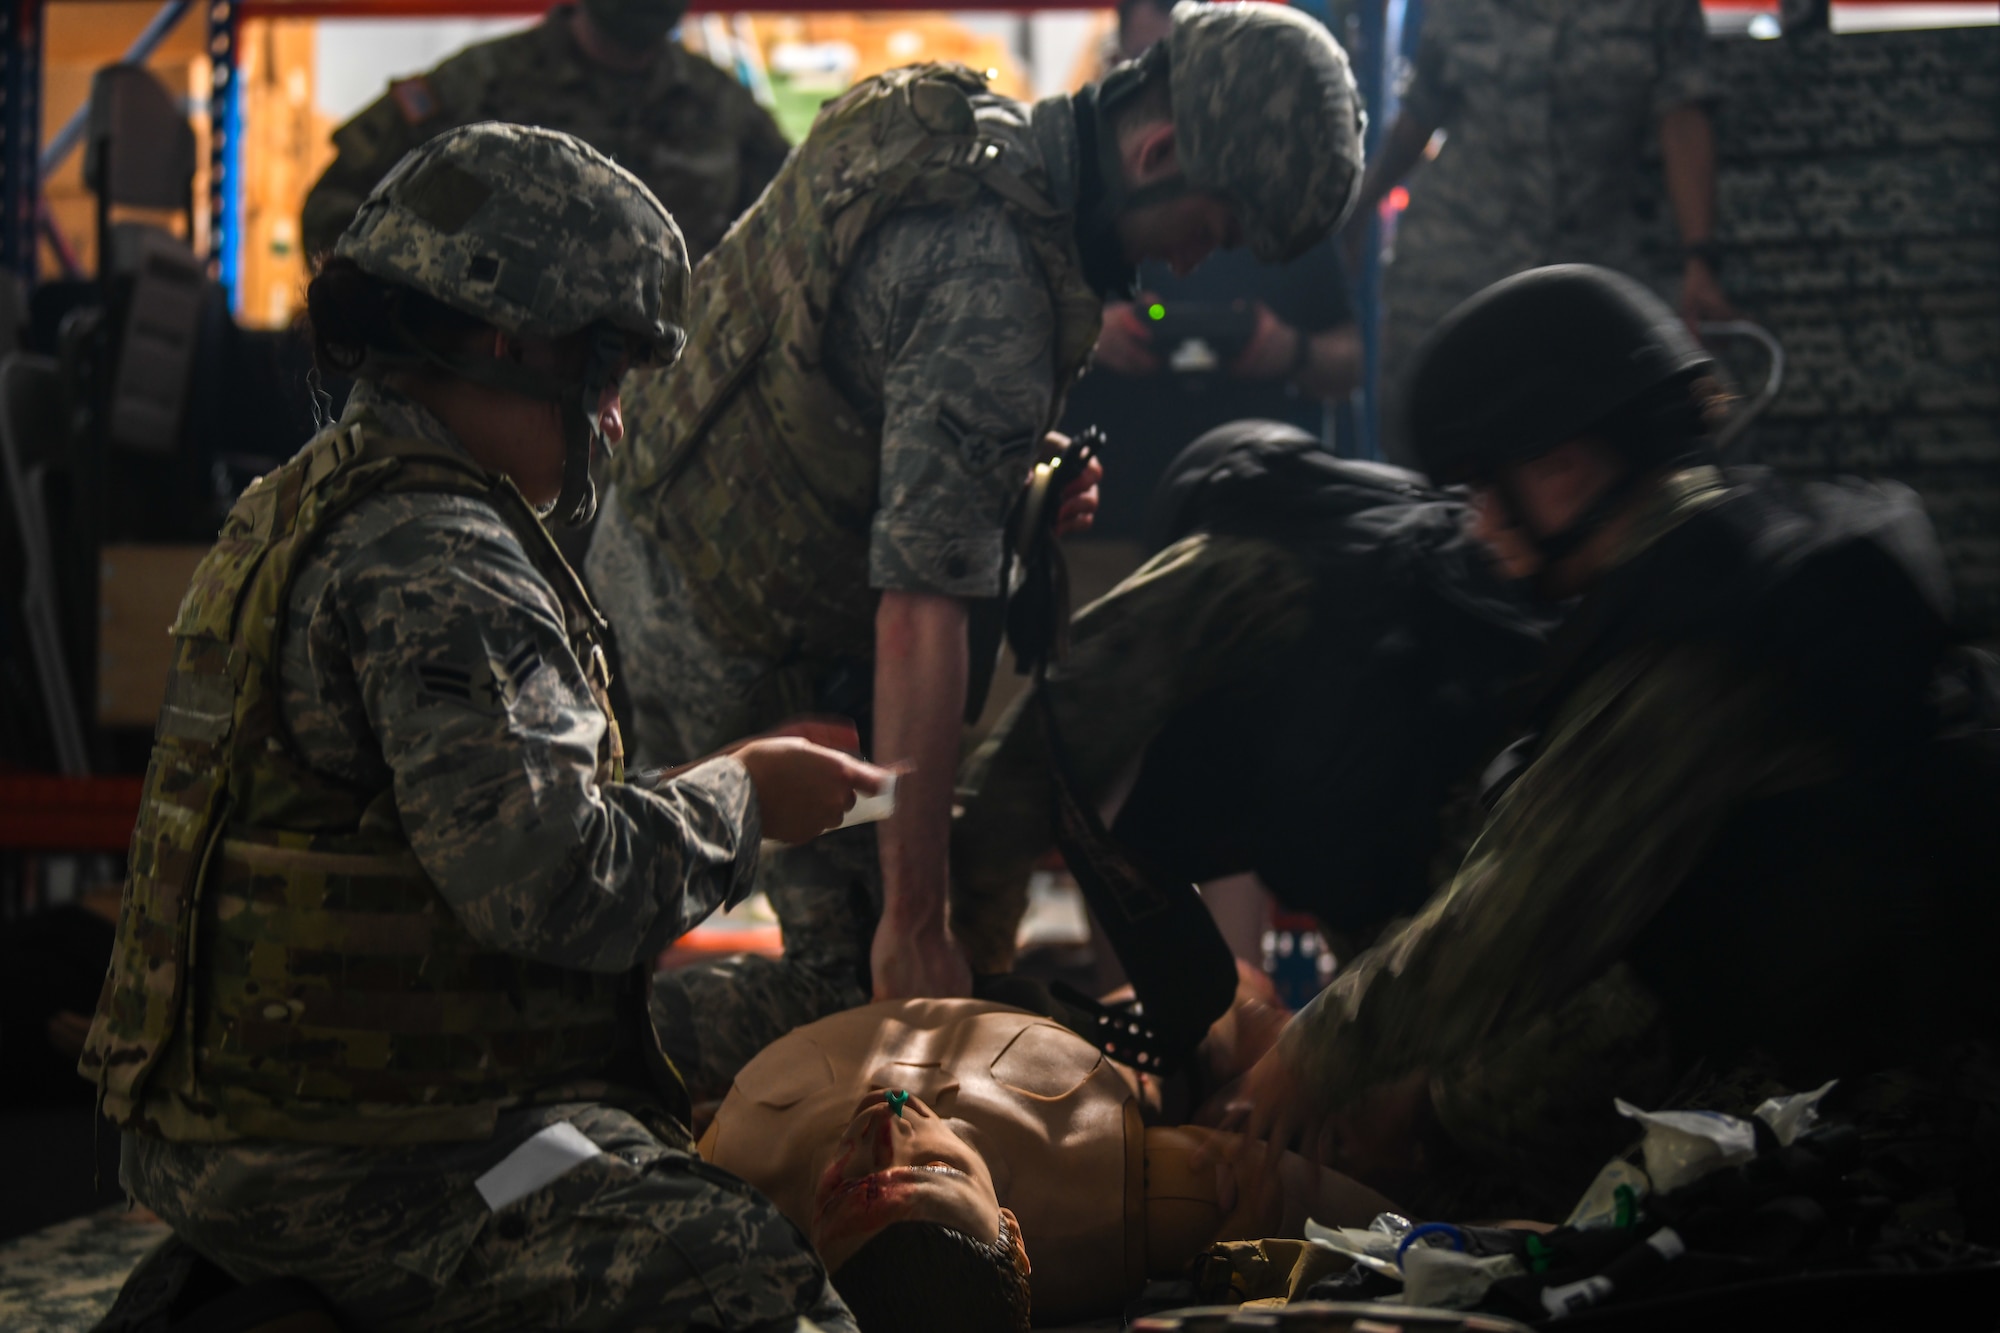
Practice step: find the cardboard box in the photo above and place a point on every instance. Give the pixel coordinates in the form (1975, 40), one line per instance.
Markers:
(139, 590)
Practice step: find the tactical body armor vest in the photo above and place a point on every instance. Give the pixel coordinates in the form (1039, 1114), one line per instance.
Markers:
(283, 967)
(751, 465)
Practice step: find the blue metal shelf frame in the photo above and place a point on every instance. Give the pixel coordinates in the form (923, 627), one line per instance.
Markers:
(20, 134)
(225, 148)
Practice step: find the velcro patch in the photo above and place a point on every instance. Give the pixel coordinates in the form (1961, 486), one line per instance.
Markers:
(483, 686)
(445, 195)
(415, 99)
(980, 450)
(472, 686)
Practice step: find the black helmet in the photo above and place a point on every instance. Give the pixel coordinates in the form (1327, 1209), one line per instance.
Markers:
(1540, 358)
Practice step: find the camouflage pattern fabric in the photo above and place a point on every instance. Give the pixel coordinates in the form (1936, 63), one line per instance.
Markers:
(687, 693)
(532, 231)
(429, 661)
(770, 466)
(937, 345)
(497, 791)
(1524, 1121)
(1548, 107)
(641, 1235)
(714, 1016)
(694, 135)
(1576, 857)
(1266, 113)
(428, 654)
(63, 1278)
(1207, 610)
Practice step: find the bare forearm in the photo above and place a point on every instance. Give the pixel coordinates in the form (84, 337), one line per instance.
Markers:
(1333, 365)
(920, 671)
(1687, 147)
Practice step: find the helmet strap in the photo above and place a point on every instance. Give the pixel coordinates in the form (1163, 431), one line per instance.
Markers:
(576, 505)
(1662, 441)
(1555, 547)
(1099, 178)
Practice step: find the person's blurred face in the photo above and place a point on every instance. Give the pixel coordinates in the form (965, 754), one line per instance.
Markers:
(1543, 496)
(887, 1168)
(1180, 232)
(1492, 525)
(537, 465)
(1143, 26)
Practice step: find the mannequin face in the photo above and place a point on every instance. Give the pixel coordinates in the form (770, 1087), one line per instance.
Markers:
(886, 1168)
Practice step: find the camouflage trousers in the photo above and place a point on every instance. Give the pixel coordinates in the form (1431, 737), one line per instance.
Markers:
(712, 1017)
(639, 1235)
(1205, 611)
(688, 696)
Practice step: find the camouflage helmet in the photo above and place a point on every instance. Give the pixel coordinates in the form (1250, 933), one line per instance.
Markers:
(1266, 114)
(530, 230)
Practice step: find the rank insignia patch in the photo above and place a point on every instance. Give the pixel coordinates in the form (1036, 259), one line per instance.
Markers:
(415, 99)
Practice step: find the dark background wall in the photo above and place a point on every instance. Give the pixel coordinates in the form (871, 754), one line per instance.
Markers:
(1858, 196)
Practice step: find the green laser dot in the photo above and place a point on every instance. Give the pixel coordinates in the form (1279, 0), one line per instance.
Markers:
(897, 1101)
(1156, 311)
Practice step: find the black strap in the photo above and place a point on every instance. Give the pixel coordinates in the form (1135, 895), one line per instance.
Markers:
(1181, 969)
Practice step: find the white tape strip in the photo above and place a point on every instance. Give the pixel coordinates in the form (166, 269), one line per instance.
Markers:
(871, 809)
(548, 1156)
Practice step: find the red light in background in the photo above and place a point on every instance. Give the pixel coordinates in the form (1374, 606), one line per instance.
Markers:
(1399, 199)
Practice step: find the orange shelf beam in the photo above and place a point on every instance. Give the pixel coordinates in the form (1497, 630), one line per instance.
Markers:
(391, 9)
(49, 814)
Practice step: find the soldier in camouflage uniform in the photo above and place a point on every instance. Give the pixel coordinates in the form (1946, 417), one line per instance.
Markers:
(1752, 841)
(1321, 630)
(1546, 104)
(376, 1015)
(603, 70)
(878, 349)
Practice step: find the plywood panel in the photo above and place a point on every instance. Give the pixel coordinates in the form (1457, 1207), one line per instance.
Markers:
(140, 589)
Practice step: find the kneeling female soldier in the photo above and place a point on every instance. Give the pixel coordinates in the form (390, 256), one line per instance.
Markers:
(376, 1016)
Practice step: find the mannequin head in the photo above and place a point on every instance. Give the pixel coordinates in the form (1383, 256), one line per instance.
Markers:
(907, 1219)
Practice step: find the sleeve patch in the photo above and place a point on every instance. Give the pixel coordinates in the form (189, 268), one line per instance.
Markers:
(979, 449)
(485, 687)
(415, 99)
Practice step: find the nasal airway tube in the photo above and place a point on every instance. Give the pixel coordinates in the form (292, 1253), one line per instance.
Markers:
(872, 809)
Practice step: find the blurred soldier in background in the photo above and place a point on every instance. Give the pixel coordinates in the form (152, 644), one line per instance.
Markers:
(1239, 339)
(1546, 107)
(603, 70)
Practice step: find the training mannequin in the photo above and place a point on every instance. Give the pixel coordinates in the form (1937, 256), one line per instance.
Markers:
(1008, 1128)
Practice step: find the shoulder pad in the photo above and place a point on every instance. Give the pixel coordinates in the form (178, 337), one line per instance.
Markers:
(378, 127)
(943, 105)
